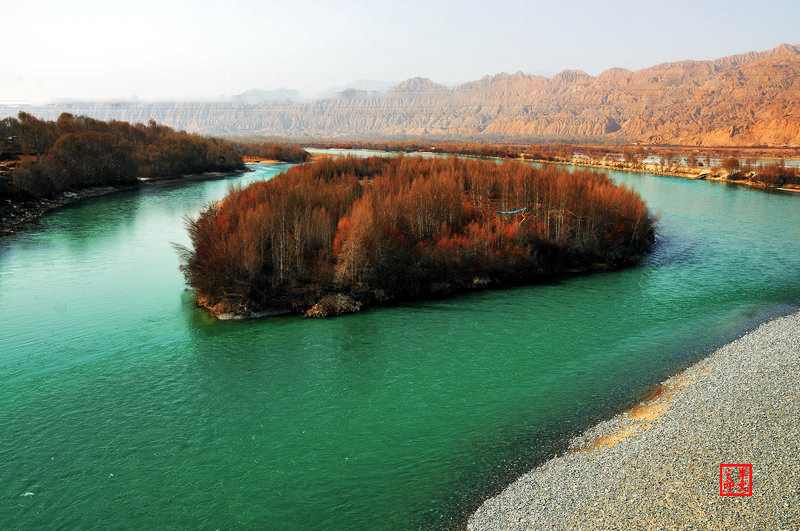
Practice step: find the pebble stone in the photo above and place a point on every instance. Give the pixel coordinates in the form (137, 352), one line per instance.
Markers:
(739, 405)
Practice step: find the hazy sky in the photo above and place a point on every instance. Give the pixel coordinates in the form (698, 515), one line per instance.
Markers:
(197, 49)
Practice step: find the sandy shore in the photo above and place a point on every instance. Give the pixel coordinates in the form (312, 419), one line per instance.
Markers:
(657, 466)
(259, 160)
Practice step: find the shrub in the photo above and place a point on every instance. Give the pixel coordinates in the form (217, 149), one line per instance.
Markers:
(381, 228)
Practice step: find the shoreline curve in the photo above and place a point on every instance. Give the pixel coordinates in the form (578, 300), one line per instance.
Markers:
(657, 465)
(26, 212)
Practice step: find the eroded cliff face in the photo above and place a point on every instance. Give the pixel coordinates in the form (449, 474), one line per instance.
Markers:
(748, 99)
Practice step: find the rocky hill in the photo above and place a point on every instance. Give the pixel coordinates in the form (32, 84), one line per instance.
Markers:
(747, 99)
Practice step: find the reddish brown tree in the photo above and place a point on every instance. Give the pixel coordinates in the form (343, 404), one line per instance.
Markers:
(379, 228)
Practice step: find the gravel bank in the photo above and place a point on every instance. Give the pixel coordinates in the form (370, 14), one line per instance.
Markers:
(657, 465)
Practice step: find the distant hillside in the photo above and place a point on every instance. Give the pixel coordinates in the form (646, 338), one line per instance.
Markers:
(747, 99)
(254, 97)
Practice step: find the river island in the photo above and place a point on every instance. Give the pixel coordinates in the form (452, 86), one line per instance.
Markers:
(333, 236)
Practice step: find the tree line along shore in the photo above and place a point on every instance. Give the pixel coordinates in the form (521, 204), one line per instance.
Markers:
(46, 164)
(740, 165)
(339, 234)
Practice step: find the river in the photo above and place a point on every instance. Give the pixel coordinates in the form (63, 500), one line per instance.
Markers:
(123, 405)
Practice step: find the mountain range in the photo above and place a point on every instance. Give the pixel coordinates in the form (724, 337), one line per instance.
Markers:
(740, 100)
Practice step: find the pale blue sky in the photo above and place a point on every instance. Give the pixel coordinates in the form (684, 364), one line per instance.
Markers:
(198, 49)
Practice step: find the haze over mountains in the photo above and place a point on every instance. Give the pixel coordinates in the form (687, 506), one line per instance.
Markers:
(747, 99)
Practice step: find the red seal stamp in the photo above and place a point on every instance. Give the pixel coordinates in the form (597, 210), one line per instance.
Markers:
(735, 480)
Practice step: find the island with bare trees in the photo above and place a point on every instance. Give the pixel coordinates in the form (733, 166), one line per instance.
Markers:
(336, 235)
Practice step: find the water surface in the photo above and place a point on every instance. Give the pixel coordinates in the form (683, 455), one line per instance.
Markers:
(122, 405)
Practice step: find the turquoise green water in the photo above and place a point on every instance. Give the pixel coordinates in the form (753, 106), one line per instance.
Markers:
(122, 405)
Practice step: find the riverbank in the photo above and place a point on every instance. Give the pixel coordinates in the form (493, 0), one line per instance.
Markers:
(260, 160)
(658, 465)
(693, 173)
(708, 173)
(712, 173)
(17, 215)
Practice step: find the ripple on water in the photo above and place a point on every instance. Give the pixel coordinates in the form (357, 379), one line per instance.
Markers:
(123, 405)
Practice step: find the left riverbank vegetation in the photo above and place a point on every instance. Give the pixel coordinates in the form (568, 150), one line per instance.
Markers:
(44, 158)
(331, 236)
(46, 164)
(72, 153)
